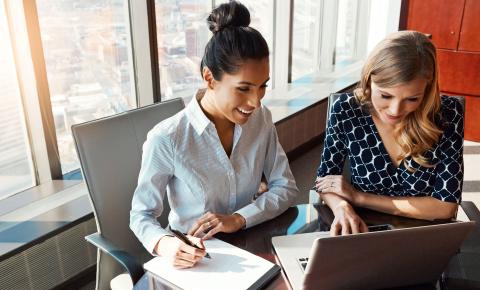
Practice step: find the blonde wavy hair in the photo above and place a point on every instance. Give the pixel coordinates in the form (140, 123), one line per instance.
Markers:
(398, 59)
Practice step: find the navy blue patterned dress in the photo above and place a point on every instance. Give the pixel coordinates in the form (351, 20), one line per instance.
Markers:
(351, 133)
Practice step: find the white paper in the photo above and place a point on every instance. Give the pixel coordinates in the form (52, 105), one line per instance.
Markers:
(229, 268)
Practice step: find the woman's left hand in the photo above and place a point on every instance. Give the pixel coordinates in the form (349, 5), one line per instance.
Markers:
(212, 223)
(338, 185)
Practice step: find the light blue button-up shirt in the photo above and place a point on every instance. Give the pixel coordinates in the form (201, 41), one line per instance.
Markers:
(183, 156)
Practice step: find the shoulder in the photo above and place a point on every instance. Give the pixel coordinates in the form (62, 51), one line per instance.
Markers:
(346, 106)
(345, 101)
(451, 107)
(451, 123)
(451, 113)
(262, 116)
(167, 130)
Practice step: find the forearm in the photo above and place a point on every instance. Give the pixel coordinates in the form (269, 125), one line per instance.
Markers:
(333, 201)
(427, 208)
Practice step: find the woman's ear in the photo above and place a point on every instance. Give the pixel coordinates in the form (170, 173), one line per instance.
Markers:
(208, 77)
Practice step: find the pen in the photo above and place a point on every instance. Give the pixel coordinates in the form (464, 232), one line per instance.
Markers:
(184, 239)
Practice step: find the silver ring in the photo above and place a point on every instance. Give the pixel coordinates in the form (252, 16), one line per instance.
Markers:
(207, 224)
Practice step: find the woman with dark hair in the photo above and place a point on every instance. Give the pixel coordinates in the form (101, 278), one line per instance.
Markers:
(211, 156)
(403, 140)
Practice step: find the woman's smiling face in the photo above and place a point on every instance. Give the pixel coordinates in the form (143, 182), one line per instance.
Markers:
(393, 104)
(238, 95)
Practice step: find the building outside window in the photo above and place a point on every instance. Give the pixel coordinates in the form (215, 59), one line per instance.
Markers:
(88, 62)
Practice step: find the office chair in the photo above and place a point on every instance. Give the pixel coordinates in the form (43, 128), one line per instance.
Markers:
(110, 153)
(314, 197)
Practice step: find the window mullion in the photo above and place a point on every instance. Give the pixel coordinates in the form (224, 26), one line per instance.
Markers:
(329, 13)
(147, 83)
(282, 44)
(34, 88)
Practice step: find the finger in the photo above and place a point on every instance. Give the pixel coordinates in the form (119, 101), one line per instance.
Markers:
(212, 232)
(355, 226)
(326, 186)
(182, 264)
(194, 227)
(346, 228)
(363, 226)
(201, 230)
(182, 254)
(335, 229)
(197, 242)
(192, 251)
(199, 222)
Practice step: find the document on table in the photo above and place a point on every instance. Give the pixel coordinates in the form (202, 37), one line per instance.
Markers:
(230, 267)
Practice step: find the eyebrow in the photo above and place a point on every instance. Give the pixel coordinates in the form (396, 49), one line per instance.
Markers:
(251, 84)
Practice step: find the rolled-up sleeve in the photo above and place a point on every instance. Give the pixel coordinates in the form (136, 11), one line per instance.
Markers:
(282, 190)
(147, 204)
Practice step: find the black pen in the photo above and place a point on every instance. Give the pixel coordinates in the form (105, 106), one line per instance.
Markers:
(184, 239)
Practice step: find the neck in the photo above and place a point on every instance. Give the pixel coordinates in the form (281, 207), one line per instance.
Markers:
(209, 107)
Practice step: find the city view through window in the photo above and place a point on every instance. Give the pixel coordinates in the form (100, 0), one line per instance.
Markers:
(89, 66)
(182, 34)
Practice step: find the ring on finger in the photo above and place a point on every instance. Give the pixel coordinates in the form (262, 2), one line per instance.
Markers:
(207, 225)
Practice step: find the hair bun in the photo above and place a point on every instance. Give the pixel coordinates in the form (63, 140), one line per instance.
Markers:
(231, 14)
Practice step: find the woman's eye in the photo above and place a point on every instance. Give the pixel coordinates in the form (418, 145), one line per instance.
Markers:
(386, 96)
(243, 89)
(413, 100)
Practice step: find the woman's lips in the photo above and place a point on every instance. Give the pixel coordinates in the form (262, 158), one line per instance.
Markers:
(390, 117)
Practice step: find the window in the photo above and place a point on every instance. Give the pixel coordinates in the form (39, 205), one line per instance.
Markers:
(89, 65)
(333, 37)
(182, 34)
(16, 169)
(346, 32)
(306, 25)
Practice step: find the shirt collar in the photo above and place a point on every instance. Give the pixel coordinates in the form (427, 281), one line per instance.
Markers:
(196, 115)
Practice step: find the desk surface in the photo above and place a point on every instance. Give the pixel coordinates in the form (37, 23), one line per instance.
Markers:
(310, 218)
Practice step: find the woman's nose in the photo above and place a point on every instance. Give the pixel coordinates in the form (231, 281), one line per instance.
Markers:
(395, 108)
(255, 99)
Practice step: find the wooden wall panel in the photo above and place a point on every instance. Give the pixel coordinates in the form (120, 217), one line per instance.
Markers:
(470, 34)
(441, 19)
(472, 118)
(459, 72)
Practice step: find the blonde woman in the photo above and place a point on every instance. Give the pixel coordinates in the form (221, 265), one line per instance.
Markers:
(403, 140)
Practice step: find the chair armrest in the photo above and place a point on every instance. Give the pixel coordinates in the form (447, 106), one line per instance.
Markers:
(129, 262)
(471, 210)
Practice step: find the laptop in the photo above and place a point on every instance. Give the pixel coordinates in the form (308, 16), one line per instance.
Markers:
(373, 260)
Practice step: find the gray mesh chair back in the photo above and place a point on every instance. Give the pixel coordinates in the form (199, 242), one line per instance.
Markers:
(110, 153)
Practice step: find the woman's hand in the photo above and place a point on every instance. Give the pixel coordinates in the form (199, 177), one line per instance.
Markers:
(346, 221)
(212, 223)
(182, 255)
(338, 185)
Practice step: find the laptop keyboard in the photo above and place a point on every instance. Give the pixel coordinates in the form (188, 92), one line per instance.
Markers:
(303, 263)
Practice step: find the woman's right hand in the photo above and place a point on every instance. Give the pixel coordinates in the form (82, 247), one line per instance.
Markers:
(182, 255)
(346, 221)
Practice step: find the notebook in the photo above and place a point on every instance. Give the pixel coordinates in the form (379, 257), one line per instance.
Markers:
(229, 265)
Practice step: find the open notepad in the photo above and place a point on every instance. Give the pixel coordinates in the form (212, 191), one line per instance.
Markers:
(230, 267)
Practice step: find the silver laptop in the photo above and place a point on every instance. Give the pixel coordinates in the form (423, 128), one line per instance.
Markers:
(381, 259)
